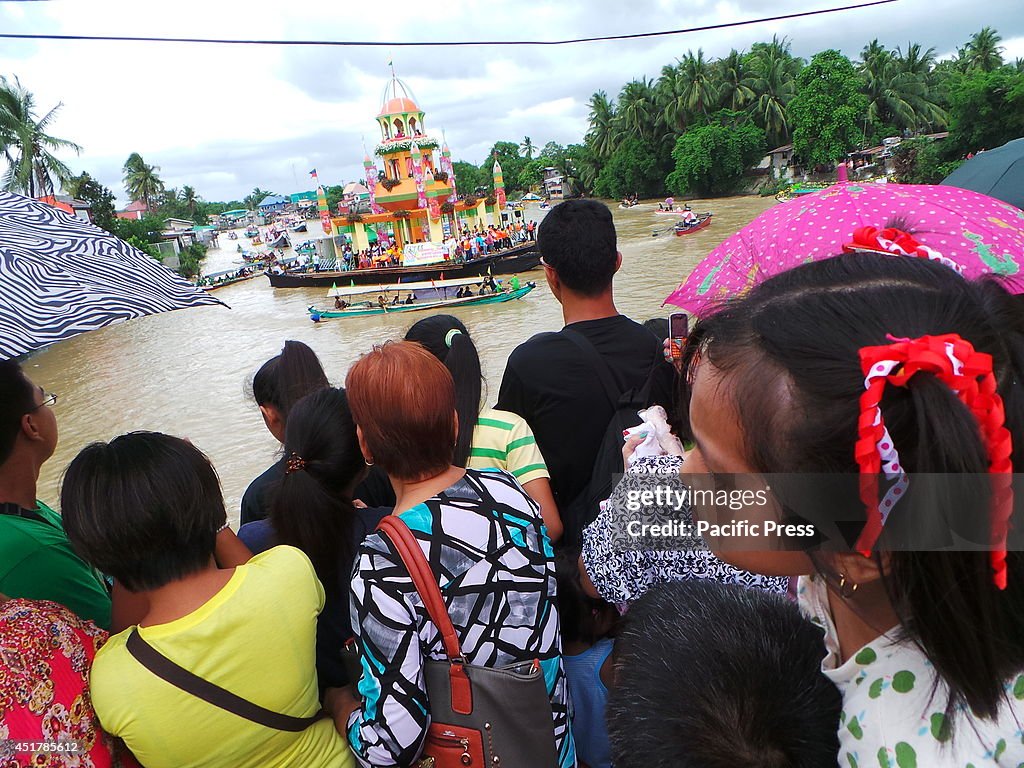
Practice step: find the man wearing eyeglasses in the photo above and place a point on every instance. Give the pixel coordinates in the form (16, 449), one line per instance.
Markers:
(36, 559)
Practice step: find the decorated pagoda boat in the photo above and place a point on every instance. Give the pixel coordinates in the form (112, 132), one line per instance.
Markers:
(415, 211)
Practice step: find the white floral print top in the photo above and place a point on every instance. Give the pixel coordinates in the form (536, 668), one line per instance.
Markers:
(893, 712)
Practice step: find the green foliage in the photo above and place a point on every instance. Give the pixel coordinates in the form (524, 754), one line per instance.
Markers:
(141, 181)
(100, 199)
(531, 175)
(215, 209)
(512, 164)
(468, 177)
(986, 109)
(26, 145)
(634, 168)
(581, 167)
(190, 259)
(334, 194)
(827, 109)
(141, 233)
(923, 161)
(711, 159)
(253, 199)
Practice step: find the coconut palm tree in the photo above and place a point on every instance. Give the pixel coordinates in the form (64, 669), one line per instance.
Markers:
(774, 85)
(637, 113)
(141, 181)
(899, 88)
(189, 197)
(983, 50)
(699, 90)
(527, 148)
(601, 135)
(735, 81)
(26, 145)
(254, 198)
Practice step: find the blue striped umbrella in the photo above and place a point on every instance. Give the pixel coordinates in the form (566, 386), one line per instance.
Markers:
(61, 276)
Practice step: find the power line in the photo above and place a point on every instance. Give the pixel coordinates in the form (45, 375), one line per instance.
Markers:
(439, 43)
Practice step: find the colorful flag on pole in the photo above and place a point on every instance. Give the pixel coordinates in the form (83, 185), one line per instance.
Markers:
(313, 173)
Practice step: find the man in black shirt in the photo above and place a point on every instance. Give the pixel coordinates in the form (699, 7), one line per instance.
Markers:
(549, 380)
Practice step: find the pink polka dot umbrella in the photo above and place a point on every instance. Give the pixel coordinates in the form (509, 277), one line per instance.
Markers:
(975, 233)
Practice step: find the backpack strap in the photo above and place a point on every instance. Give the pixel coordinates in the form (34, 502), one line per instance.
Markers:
(604, 373)
(181, 678)
(394, 528)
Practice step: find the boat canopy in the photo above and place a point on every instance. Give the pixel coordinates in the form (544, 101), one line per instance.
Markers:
(351, 290)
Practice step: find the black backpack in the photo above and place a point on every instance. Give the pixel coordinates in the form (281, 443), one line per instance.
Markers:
(582, 510)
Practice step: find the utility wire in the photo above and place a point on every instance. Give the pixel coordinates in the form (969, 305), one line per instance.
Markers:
(438, 43)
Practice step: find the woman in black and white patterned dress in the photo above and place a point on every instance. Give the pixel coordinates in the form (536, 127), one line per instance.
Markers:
(484, 539)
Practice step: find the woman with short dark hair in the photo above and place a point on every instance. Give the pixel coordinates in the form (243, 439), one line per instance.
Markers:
(146, 508)
(476, 527)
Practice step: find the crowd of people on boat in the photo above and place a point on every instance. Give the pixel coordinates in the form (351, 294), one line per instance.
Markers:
(468, 244)
(141, 624)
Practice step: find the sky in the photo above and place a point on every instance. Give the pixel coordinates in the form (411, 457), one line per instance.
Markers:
(227, 118)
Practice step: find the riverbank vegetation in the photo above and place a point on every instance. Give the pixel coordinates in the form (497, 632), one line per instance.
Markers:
(704, 123)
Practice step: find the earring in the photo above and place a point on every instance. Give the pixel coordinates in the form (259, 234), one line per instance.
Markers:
(369, 462)
(846, 587)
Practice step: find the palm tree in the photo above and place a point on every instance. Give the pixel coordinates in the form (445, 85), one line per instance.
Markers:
(254, 198)
(734, 81)
(774, 85)
(601, 135)
(140, 179)
(885, 86)
(26, 144)
(983, 50)
(637, 114)
(699, 90)
(189, 197)
(900, 88)
(527, 147)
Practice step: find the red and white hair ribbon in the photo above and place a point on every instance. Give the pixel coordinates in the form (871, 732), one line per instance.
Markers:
(969, 374)
(897, 242)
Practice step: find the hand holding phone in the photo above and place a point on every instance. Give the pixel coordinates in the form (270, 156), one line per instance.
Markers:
(678, 330)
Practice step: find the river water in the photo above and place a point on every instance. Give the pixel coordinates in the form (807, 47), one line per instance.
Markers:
(187, 372)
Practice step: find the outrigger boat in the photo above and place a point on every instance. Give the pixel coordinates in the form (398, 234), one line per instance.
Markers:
(299, 227)
(688, 228)
(432, 294)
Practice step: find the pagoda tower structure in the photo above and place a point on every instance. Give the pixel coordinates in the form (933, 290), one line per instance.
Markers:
(412, 184)
(411, 162)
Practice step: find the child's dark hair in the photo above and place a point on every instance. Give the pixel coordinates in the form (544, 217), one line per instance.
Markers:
(284, 379)
(447, 339)
(709, 675)
(15, 401)
(144, 508)
(581, 617)
(800, 333)
(313, 509)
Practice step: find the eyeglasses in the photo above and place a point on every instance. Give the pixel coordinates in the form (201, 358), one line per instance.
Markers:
(49, 398)
(544, 263)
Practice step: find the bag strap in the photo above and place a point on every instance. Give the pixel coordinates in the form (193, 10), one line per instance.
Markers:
(213, 694)
(408, 548)
(604, 373)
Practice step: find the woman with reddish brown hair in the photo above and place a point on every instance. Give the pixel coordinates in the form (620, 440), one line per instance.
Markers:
(483, 537)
